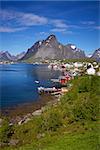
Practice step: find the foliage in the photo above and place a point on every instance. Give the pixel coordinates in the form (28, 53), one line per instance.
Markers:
(83, 140)
(71, 115)
(5, 131)
(79, 60)
(83, 99)
(51, 120)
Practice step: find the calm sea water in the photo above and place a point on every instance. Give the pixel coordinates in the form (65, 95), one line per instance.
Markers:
(17, 82)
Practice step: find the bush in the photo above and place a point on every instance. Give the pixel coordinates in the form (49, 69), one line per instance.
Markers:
(84, 85)
(82, 101)
(51, 120)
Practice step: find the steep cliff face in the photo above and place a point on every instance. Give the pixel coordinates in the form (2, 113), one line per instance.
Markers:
(96, 55)
(71, 51)
(31, 51)
(52, 49)
(49, 49)
(19, 56)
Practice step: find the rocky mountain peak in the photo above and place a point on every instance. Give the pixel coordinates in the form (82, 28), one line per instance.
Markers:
(72, 46)
(5, 55)
(50, 48)
(51, 41)
(96, 55)
(98, 52)
(51, 37)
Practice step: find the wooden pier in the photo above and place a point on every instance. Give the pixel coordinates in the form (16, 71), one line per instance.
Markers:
(48, 90)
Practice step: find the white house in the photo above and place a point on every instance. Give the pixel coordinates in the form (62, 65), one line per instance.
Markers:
(91, 71)
(68, 65)
(78, 64)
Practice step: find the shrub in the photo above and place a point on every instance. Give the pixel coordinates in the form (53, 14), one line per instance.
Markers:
(51, 120)
(84, 85)
(82, 101)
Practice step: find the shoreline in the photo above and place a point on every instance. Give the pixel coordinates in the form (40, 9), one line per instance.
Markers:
(14, 114)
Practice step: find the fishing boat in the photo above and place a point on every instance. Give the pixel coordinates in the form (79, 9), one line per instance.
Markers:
(47, 90)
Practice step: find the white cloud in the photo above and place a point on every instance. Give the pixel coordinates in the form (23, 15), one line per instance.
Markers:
(87, 22)
(29, 19)
(75, 26)
(43, 33)
(26, 19)
(58, 30)
(58, 23)
(61, 30)
(6, 15)
(97, 27)
(16, 21)
(8, 29)
(19, 19)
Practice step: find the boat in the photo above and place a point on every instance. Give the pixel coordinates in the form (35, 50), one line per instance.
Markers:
(47, 90)
(36, 81)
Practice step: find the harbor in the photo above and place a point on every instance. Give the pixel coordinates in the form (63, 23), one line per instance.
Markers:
(51, 82)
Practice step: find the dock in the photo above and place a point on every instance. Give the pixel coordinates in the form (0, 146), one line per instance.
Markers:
(48, 90)
(56, 93)
(55, 80)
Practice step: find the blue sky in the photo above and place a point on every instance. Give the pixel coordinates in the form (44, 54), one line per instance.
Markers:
(23, 23)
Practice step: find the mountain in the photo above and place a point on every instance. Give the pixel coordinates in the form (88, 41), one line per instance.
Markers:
(96, 55)
(52, 49)
(19, 56)
(31, 51)
(6, 56)
(89, 55)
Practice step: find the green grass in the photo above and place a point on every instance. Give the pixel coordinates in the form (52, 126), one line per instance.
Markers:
(72, 124)
(79, 60)
(87, 140)
(32, 59)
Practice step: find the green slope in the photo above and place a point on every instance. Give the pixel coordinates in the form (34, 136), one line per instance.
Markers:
(71, 124)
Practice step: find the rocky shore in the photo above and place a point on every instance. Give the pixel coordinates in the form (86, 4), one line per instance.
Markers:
(23, 113)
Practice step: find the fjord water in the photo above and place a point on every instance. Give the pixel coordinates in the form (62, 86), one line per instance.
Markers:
(17, 82)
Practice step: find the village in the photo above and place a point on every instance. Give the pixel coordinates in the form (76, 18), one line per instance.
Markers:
(69, 71)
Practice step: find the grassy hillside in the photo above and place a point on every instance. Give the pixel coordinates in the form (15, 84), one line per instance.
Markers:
(70, 124)
(79, 60)
(68, 141)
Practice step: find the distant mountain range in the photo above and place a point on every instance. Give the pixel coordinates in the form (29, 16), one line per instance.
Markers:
(96, 55)
(49, 49)
(6, 56)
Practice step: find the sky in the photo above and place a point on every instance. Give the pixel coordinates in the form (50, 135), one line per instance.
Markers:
(22, 23)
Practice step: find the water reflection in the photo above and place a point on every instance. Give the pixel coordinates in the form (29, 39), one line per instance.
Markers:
(18, 82)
